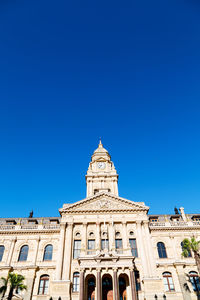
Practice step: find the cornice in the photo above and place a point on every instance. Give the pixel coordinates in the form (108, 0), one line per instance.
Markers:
(183, 228)
(16, 232)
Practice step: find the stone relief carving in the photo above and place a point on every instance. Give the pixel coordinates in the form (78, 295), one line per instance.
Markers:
(104, 204)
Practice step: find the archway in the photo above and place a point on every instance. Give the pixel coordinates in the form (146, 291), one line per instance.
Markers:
(91, 284)
(107, 288)
(123, 283)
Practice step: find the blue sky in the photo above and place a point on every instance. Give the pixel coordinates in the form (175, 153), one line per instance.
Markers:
(73, 71)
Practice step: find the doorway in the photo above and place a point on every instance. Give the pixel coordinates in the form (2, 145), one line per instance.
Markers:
(107, 288)
(91, 288)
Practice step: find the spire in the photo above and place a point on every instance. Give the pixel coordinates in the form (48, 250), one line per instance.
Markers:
(100, 143)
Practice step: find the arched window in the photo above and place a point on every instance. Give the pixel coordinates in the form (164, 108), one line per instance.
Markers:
(43, 285)
(23, 253)
(194, 279)
(189, 252)
(48, 252)
(161, 250)
(168, 282)
(1, 252)
(76, 281)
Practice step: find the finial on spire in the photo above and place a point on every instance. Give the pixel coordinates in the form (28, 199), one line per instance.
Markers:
(100, 143)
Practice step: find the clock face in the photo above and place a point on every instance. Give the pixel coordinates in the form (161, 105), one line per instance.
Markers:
(101, 165)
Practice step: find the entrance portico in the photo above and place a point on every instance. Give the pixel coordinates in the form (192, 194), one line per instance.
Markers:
(107, 277)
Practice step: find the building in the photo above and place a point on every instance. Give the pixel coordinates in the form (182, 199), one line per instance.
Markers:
(102, 247)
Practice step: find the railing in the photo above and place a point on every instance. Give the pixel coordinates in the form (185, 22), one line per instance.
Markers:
(51, 226)
(159, 224)
(174, 224)
(30, 227)
(178, 223)
(7, 227)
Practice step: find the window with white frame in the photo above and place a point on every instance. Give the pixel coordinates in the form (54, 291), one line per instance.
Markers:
(168, 282)
(76, 282)
(77, 249)
(133, 246)
(43, 285)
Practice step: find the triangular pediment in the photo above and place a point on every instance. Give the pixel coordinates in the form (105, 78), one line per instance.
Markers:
(104, 202)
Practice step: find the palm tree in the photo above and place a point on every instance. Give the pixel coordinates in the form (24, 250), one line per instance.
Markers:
(15, 282)
(193, 245)
(3, 288)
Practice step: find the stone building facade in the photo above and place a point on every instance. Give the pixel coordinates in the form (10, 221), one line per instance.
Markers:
(103, 247)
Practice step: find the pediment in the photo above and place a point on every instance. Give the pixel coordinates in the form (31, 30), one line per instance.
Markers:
(104, 202)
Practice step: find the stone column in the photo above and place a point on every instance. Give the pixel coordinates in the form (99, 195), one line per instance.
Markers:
(133, 286)
(141, 252)
(60, 252)
(36, 252)
(111, 237)
(12, 246)
(173, 245)
(149, 249)
(30, 280)
(98, 284)
(84, 239)
(125, 238)
(81, 291)
(98, 238)
(68, 252)
(115, 285)
(183, 281)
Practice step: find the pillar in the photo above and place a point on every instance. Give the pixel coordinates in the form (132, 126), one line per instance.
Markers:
(149, 249)
(133, 285)
(81, 291)
(12, 246)
(98, 284)
(115, 285)
(111, 237)
(84, 239)
(98, 238)
(36, 252)
(68, 252)
(125, 239)
(60, 252)
(141, 251)
(173, 245)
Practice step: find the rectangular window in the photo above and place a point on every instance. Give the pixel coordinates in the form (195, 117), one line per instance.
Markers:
(104, 244)
(118, 245)
(91, 247)
(77, 248)
(133, 246)
(76, 282)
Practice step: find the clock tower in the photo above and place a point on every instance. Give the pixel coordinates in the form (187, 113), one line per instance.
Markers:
(101, 175)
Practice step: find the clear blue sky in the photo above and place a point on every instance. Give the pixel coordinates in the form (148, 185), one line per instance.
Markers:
(72, 71)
